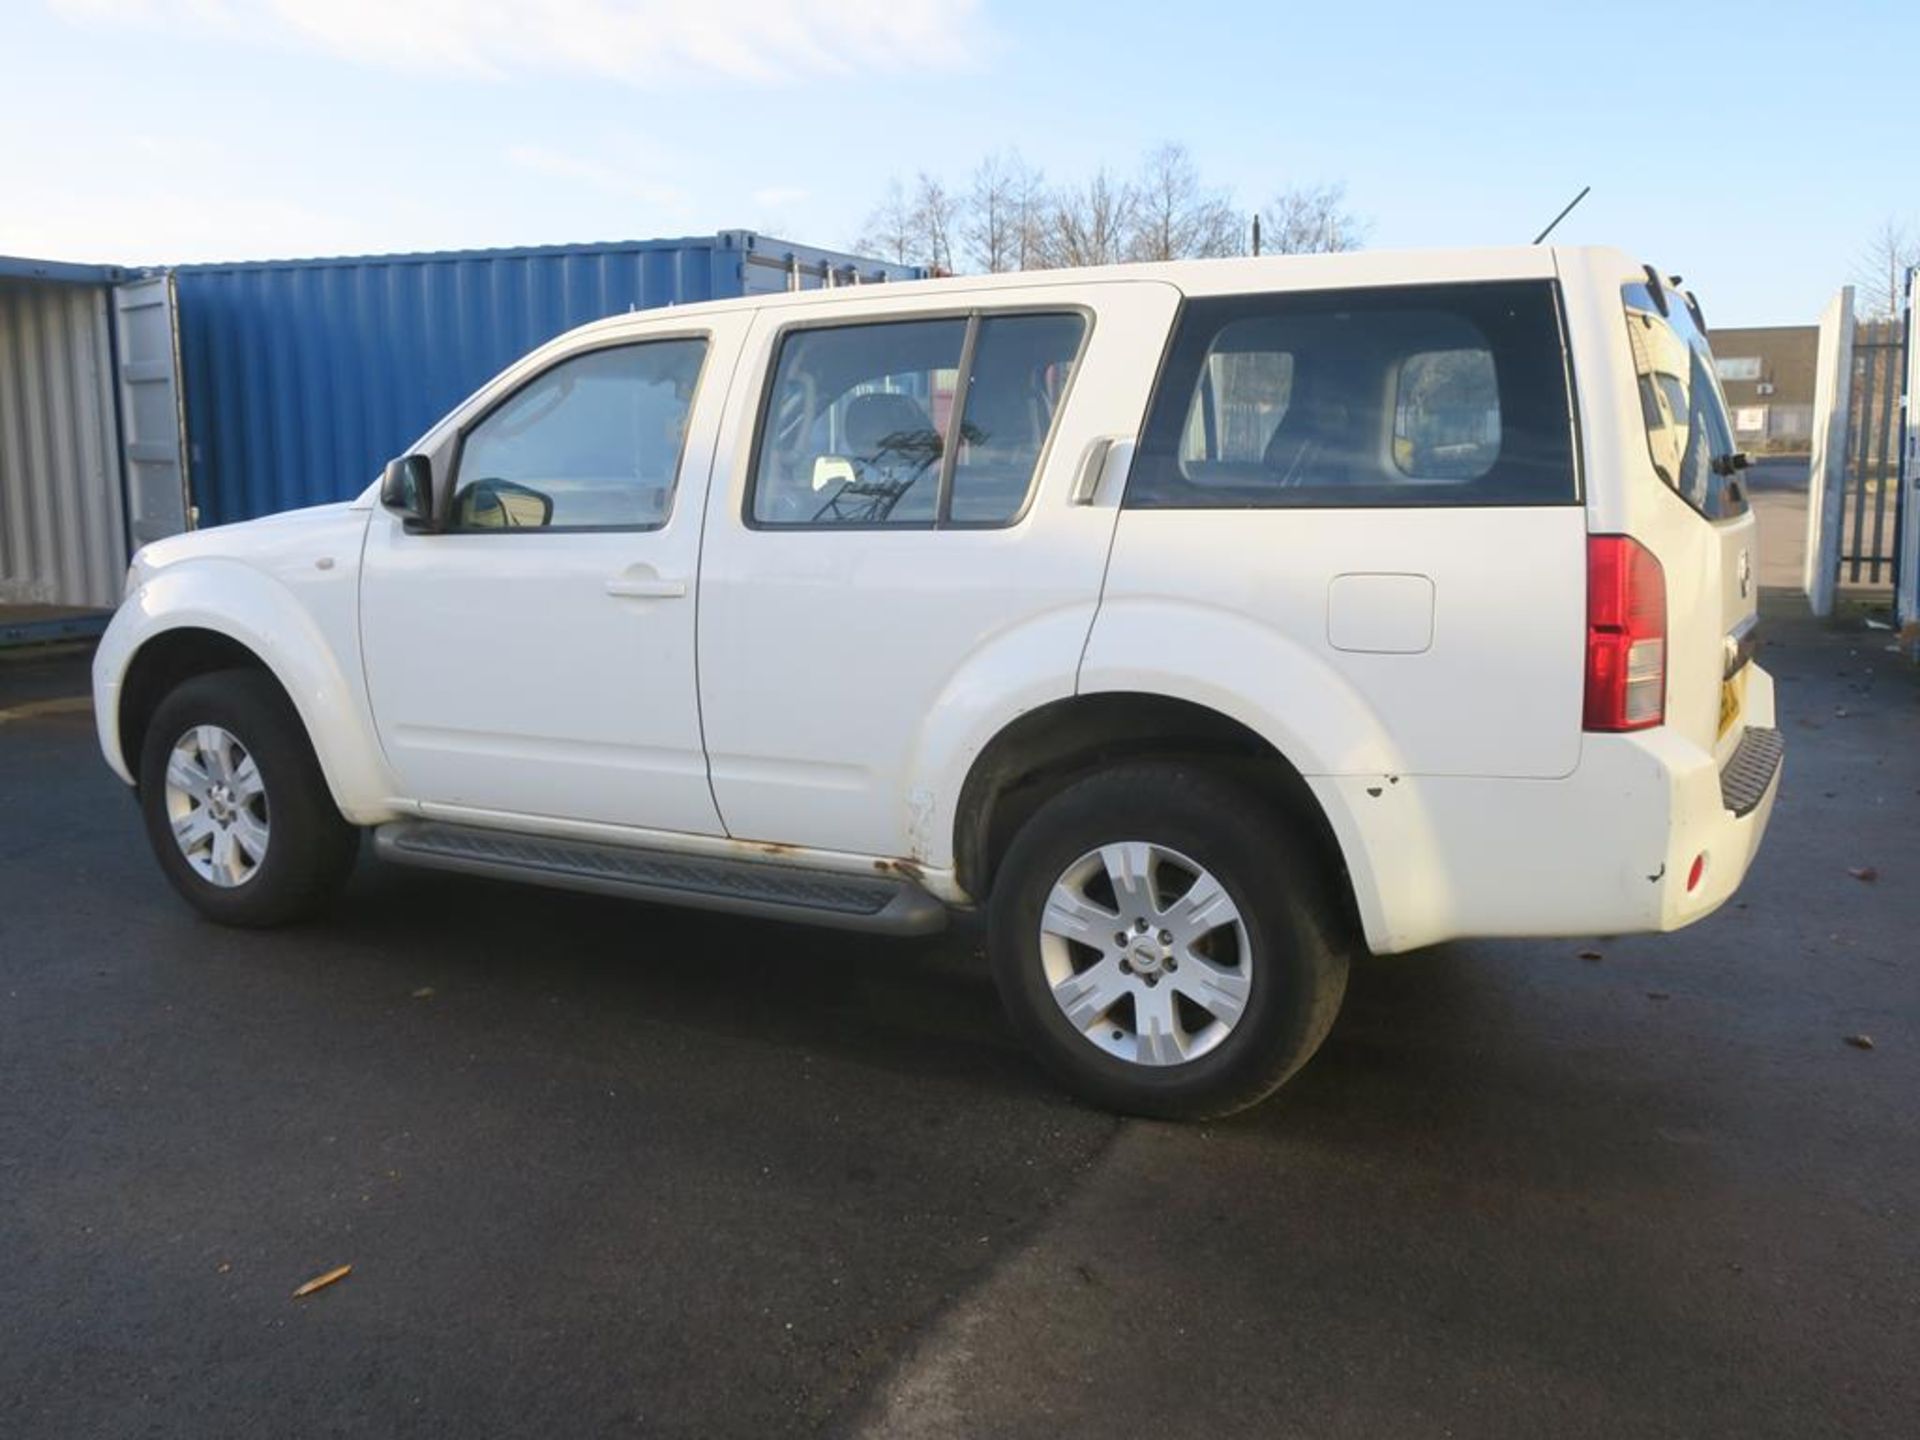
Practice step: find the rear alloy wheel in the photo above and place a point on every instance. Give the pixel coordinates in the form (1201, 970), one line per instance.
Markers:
(1164, 944)
(237, 810)
(1146, 953)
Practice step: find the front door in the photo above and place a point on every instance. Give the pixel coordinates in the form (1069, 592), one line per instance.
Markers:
(536, 658)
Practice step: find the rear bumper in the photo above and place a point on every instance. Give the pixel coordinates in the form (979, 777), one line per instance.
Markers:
(1605, 850)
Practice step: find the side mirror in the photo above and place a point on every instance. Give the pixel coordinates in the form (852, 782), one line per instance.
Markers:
(407, 489)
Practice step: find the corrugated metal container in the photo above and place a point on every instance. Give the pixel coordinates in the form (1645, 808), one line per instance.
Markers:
(62, 527)
(302, 378)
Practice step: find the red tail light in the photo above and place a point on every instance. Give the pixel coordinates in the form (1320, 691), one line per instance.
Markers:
(1626, 635)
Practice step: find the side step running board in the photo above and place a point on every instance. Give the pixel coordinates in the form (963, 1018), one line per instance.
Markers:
(745, 887)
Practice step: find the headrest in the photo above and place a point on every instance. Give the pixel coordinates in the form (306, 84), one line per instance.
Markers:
(874, 419)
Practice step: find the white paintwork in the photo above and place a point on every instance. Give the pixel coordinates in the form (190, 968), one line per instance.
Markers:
(550, 674)
(822, 696)
(1380, 614)
(261, 583)
(826, 657)
(1827, 485)
(1906, 600)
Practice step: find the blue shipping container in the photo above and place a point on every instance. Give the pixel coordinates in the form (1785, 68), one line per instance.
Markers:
(302, 378)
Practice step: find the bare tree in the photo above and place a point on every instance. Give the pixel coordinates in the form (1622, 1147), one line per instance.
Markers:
(1309, 220)
(997, 228)
(1175, 216)
(1030, 210)
(1880, 272)
(934, 214)
(890, 227)
(1088, 224)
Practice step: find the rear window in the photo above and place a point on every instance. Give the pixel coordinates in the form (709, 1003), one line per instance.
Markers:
(1428, 395)
(1688, 433)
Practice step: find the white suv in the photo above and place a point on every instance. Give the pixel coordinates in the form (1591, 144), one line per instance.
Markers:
(1197, 622)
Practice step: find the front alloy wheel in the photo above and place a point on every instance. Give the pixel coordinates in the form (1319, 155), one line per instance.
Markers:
(217, 804)
(236, 808)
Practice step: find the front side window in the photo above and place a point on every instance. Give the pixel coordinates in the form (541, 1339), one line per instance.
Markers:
(1689, 434)
(1430, 395)
(912, 423)
(593, 443)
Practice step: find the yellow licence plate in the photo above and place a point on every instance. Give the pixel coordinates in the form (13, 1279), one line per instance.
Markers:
(1731, 692)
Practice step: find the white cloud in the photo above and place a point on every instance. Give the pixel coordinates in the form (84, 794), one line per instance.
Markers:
(634, 182)
(642, 42)
(778, 197)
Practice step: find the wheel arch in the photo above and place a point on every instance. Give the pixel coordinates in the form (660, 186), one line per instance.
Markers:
(1036, 755)
(185, 624)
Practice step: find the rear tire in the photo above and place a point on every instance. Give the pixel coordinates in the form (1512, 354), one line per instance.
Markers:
(1164, 944)
(236, 808)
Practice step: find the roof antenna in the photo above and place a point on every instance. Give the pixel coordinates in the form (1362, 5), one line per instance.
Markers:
(1584, 189)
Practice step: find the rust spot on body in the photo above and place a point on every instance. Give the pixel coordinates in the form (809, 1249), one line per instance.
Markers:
(905, 868)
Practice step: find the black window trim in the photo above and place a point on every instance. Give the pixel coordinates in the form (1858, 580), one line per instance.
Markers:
(443, 501)
(974, 315)
(1568, 372)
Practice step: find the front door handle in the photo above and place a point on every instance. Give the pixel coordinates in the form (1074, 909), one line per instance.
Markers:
(643, 583)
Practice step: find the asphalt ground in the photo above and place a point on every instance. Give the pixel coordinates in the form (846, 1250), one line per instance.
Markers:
(604, 1169)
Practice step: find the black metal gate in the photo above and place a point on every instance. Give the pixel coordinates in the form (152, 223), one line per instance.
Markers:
(1869, 529)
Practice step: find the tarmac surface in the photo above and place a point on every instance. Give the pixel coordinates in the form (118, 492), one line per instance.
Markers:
(604, 1169)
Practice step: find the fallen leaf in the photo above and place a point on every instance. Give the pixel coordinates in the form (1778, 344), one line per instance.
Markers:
(320, 1282)
(1860, 1042)
(1864, 873)
(225, 1266)
(1591, 955)
(425, 992)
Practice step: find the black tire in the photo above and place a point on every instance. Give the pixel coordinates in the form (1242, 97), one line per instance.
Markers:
(310, 848)
(1298, 971)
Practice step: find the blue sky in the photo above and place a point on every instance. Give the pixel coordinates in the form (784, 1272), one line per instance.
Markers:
(147, 131)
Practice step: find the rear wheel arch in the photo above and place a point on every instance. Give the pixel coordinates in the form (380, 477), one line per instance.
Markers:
(1045, 750)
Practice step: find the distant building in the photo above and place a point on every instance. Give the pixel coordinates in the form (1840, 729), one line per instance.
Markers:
(1767, 373)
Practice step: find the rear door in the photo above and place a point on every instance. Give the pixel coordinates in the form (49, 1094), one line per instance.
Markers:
(897, 535)
(152, 423)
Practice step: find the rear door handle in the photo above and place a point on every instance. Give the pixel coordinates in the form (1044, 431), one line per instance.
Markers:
(1093, 466)
(642, 583)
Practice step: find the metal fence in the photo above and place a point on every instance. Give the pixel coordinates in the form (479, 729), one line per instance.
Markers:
(1870, 512)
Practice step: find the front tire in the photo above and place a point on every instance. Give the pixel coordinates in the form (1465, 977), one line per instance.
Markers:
(1163, 943)
(236, 808)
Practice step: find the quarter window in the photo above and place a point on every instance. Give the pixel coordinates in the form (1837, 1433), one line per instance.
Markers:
(593, 443)
(911, 422)
(1436, 395)
(1689, 435)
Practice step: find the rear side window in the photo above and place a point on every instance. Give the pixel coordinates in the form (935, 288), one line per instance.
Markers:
(1430, 395)
(1688, 433)
(913, 423)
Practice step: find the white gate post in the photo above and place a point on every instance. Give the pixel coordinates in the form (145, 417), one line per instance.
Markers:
(1906, 604)
(1826, 485)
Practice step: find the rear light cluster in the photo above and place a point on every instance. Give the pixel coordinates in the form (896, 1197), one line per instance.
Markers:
(1626, 635)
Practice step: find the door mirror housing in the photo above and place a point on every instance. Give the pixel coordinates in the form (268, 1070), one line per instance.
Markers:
(407, 489)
